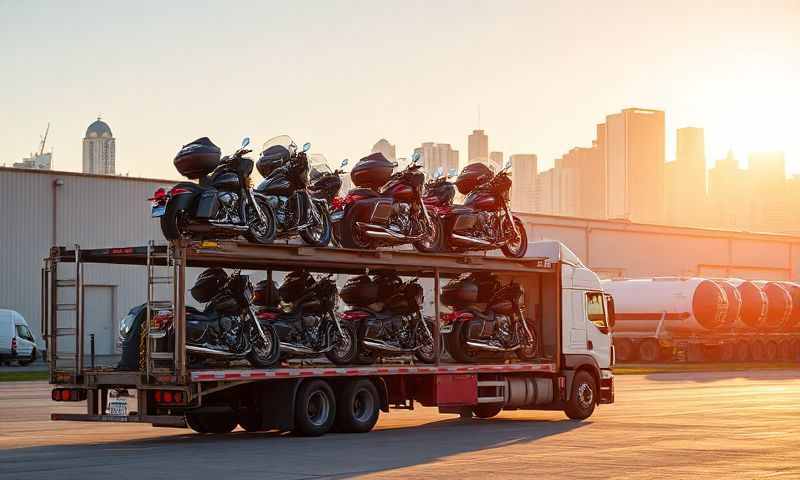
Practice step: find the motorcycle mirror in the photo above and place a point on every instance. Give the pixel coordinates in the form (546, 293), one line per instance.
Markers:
(452, 172)
(507, 165)
(416, 156)
(344, 163)
(438, 173)
(245, 142)
(306, 147)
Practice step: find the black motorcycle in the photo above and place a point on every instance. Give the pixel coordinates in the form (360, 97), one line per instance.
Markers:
(487, 319)
(221, 204)
(386, 209)
(484, 221)
(227, 328)
(388, 313)
(305, 320)
(285, 185)
(324, 183)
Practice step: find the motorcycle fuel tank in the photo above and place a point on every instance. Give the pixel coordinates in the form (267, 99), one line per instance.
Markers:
(483, 201)
(228, 181)
(400, 191)
(276, 185)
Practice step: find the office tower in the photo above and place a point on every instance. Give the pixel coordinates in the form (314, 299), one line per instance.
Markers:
(435, 155)
(772, 210)
(524, 170)
(581, 173)
(98, 149)
(387, 149)
(496, 161)
(478, 148)
(635, 165)
(729, 194)
(685, 179)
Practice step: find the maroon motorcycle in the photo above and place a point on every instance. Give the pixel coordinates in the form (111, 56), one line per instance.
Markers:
(484, 221)
(386, 209)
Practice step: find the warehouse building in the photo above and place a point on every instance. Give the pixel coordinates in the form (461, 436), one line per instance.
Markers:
(40, 208)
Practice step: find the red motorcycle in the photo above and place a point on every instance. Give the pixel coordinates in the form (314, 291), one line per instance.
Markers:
(484, 221)
(386, 209)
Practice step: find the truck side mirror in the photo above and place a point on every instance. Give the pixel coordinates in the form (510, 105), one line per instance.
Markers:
(612, 315)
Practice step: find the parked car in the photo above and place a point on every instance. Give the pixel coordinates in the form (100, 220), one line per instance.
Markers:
(16, 339)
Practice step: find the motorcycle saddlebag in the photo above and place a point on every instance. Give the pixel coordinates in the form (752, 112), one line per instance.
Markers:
(272, 158)
(372, 171)
(266, 294)
(207, 204)
(197, 158)
(359, 291)
(471, 176)
(460, 292)
(440, 193)
(488, 285)
(295, 285)
(388, 283)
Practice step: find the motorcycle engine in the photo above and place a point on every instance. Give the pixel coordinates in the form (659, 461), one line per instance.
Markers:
(279, 204)
(229, 202)
(503, 330)
(400, 221)
(488, 221)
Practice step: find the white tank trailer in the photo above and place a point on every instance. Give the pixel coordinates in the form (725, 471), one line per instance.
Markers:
(697, 319)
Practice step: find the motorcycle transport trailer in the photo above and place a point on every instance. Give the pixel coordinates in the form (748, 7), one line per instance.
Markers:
(563, 302)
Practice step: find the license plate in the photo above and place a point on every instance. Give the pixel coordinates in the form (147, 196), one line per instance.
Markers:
(158, 211)
(118, 407)
(446, 328)
(337, 216)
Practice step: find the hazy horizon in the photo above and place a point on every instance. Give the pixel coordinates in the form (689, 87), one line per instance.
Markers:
(342, 75)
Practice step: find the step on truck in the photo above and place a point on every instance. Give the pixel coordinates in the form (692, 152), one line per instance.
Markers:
(564, 304)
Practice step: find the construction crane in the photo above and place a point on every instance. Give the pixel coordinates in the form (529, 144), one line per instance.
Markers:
(44, 139)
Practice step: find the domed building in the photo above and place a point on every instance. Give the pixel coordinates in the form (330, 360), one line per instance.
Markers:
(99, 149)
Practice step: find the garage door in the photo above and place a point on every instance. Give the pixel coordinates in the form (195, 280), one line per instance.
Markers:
(99, 319)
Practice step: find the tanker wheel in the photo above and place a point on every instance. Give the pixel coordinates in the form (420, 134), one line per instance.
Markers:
(785, 350)
(758, 351)
(796, 350)
(695, 352)
(649, 350)
(771, 351)
(712, 353)
(486, 411)
(742, 351)
(624, 351)
(727, 352)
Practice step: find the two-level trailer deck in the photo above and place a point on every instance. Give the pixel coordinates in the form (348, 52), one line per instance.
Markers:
(312, 397)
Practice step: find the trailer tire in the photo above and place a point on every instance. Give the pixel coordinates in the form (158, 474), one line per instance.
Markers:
(624, 350)
(649, 350)
(770, 350)
(727, 351)
(315, 408)
(796, 350)
(758, 351)
(785, 350)
(211, 422)
(583, 396)
(486, 411)
(742, 351)
(357, 406)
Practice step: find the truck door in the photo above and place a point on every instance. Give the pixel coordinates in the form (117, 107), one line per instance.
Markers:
(574, 323)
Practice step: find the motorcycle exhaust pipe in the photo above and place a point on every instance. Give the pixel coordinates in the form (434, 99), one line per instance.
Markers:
(470, 240)
(297, 349)
(229, 226)
(379, 345)
(491, 348)
(210, 352)
(377, 231)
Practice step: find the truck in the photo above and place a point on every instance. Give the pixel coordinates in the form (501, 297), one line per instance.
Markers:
(564, 302)
(678, 319)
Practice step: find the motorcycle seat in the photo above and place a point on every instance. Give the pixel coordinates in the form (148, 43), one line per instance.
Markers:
(363, 192)
(462, 210)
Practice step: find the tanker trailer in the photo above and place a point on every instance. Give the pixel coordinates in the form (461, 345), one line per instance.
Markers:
(754, 304)
(779, 305)
(651, 313)
(789, 346)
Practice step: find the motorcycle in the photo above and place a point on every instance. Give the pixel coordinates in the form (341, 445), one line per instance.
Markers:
(324, 184)
(483, 222)
(285, 185)
(227, 328)
(392, 327)
(498, 328)
(221, 204)
(386, 209)
(306, 321)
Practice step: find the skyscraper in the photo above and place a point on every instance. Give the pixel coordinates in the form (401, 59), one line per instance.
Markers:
(635, 165)
(99, 154)
(496, 161)
(772, 210)
(524, 170)
(387, 149)
(685, 179)
(478, 149)
(729, 194)
(435, 155)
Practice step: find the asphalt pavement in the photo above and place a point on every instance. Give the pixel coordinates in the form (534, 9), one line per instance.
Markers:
(737, 425)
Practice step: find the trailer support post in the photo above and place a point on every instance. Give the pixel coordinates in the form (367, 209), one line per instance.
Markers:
(179, 313)
(436, 330)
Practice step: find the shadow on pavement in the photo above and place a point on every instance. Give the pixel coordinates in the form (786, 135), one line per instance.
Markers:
(707, 377)
(273, 455)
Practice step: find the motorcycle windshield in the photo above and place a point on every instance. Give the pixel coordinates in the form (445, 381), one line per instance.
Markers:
(282, 140)
(319, 166)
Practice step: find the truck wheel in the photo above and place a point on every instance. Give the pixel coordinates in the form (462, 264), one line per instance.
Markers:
(649, 350)
(770, 351)
(211, 422)
(623, 350)
(582, 398)
(29, 360)
(314, 409)
(357, 407)
(486, 411)
(727, 352)
(758, 351)
(742, 351)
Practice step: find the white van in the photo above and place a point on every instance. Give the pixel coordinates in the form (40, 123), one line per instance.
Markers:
(16, 339)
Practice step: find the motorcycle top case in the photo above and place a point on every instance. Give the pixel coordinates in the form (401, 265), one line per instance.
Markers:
(388, 283)
(408, 299)
(295, 285)
(469, 289)
(272, 158)
(359, 290)
(265, 294)
(440, 193)
(208, 284)
(197, 158)
(372, 171)
(471, 176)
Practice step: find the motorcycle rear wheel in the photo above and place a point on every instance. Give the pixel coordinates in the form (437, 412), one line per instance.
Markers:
(258, 233)
(456, 342)
(518, 248)
(172, 222)
(265, 355)
(321, 236)
(351, 236)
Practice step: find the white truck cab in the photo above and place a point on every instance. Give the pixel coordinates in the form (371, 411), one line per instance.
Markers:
(16, 339)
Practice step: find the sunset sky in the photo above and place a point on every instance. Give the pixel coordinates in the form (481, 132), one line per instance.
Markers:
(342, 74)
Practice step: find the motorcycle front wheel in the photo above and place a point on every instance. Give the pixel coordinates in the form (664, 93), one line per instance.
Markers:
(260, 232)
(435, 243)
(345, 349)
(265, 353)
(319, 234)
(426, 353)
(517, 248)
(529, 348)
